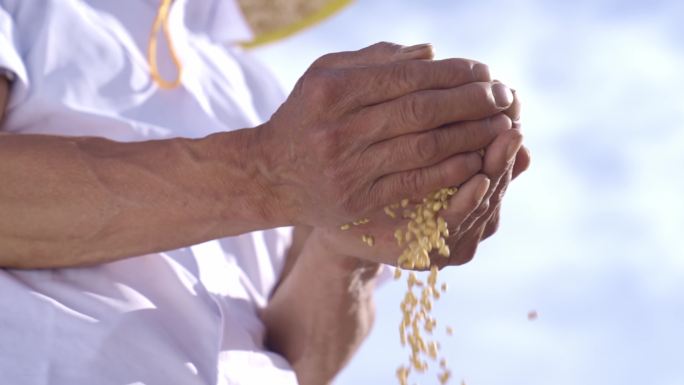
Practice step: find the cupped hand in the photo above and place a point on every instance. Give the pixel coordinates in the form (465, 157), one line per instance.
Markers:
(472, 214)
(484, 220)
(367, 128)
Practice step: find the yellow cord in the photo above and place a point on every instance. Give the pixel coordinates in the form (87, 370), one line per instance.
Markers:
(161, 21)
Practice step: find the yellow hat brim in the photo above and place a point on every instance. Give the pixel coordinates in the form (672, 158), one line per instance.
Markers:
(273, 20)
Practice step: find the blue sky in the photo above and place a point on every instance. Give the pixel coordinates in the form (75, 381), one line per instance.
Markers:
(592, 236)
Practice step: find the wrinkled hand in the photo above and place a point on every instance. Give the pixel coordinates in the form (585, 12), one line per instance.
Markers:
(364, 129)
(484, 220)
(472, 215)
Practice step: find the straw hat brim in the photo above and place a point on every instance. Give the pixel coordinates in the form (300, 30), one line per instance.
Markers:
(273, 20)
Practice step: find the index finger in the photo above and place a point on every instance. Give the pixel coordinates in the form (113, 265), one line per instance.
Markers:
(381, 83)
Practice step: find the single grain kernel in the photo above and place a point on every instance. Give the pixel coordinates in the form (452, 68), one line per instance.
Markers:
(362, 221)
(402, 374)
(532, 315)
(432, 350)
(398, 236)
(430, 324)
(444, 376)
(368, 239)
(345, 226)
(389, 212)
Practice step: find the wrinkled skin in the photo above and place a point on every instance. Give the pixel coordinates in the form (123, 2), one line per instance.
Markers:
(367, 128)
(417, 128)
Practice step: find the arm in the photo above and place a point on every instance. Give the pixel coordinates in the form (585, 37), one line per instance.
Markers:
(321, 312)
(72, 201)
(68, 201)
(354, 135)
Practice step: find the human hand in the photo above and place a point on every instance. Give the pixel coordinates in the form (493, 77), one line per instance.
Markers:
(366, 128)
(484, 221)
(472, 214)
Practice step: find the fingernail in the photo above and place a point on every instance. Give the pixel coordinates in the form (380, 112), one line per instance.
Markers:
(417, 47)
(502, 95)
(482, 190)
(513, 148)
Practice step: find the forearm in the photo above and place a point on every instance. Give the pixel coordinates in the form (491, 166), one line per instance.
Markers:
(321, 312)
(68, 201)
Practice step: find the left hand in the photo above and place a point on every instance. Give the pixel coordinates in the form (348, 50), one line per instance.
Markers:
(472, 215)
(484, 220)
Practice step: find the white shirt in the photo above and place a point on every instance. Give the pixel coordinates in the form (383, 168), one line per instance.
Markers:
(186, 316)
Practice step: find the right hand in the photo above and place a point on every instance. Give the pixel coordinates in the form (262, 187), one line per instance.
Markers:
(472, 214)
(367, 128)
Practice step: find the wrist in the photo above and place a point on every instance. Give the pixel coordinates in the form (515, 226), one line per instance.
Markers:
(271, 161)
(236, 162)
(322, 311)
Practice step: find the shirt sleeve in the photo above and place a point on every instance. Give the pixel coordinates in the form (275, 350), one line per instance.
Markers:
(11, 64)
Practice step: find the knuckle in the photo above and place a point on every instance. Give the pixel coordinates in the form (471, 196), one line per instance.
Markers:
(325, 60)
(480, 133)
(480, 95)
(384, 47)
(320, 85)
(393, 77)
(455, 63)
(500, 122)
(410, 182)
(468, 165)
(410, 111)
(481, 209)
(425, 146)
(501, 191)
(458, 69)
(400, 75)
(480, 72)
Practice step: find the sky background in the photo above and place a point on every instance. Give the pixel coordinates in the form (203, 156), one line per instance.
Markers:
(592, 235)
